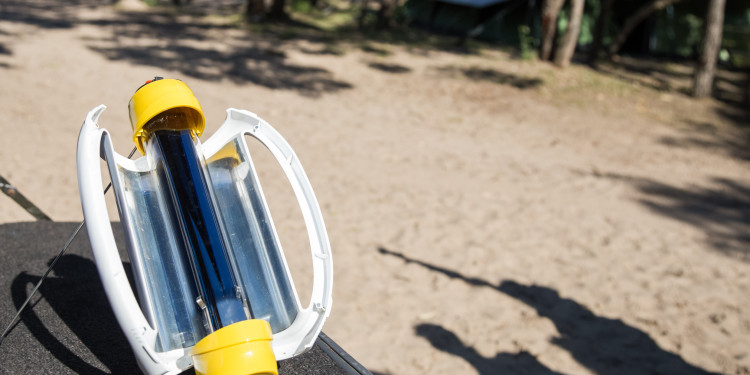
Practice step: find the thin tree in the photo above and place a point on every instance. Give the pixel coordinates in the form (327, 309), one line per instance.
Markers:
(385, 14)
(277, 9)
(570, 38)
(634, 20)
(255, 9)
(550, 11)
(704, 73)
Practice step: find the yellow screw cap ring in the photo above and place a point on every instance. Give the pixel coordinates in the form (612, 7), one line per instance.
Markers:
(157, 97)
(242, 348)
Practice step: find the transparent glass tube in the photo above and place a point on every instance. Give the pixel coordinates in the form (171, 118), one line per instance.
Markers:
(176, 151)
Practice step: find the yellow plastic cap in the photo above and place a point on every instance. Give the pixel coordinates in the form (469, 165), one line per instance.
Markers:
(164, 96)
(243, 348)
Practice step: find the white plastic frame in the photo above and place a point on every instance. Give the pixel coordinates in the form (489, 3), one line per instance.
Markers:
(297, 338)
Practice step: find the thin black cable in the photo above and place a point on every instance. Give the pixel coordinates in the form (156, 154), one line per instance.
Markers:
(11, 324)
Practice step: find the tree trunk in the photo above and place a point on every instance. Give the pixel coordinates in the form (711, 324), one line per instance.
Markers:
(635, 19)
(570, 39)
(550, 11)
(255, 10)
(385, 14)
(704, 74)
(602, 22)
(277, 9)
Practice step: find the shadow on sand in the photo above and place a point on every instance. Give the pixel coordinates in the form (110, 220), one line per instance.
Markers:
(492, 75)
(676, 75)
(208, 52)
(709, 137)
(721, 210)
(45, 14)
(389, 68)
(174, 41)
(604, 346)
(502, 363)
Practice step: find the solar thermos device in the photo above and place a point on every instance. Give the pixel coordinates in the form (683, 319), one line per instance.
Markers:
(213, 287)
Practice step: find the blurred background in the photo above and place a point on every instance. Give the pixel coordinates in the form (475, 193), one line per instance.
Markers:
(509, 186)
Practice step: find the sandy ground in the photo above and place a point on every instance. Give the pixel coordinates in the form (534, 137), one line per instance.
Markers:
(487, 215)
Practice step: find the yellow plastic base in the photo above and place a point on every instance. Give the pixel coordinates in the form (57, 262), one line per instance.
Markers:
(242, 348)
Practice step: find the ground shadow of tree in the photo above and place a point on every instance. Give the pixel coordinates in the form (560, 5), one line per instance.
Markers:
(676, 75)
(259, 66)
(4, 51)
(389, 68)
(491, 75)
(658, 74)
(707, 136)
(207, 52)
(175, 41)
(740, 116)
(502, 363)
(721, 211)
(604, 346)
(45, 14)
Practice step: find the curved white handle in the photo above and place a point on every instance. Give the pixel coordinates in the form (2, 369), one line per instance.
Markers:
(300, 336)
(309, 321)
(139, 333)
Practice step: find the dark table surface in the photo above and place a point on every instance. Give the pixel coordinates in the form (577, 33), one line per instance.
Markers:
(69, 326)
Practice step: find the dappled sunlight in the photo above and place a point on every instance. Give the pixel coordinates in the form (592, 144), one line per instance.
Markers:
(209, 52)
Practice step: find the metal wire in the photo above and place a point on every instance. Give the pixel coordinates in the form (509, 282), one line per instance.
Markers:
(12, 192)
(12, 322)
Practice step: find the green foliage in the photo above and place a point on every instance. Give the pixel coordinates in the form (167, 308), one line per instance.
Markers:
(526, 42)
(454, 19)
(336, 14)
(588, 21)
(401, 15)
(693, 25)
(562, 19)
(368, 16)
(678, 31)
(300, 6)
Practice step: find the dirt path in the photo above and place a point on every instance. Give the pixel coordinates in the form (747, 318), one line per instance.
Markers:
(487, 215)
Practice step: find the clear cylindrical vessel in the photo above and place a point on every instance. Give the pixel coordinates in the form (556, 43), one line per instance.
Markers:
(178, 157)
(203, 246)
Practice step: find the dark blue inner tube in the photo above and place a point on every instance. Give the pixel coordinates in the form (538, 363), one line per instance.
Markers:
(200, 226)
